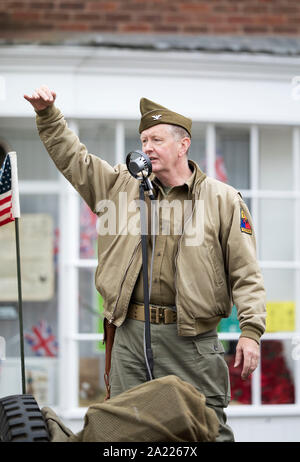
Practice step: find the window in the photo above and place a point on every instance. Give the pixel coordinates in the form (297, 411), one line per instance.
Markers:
(232, 156)
(22, 137)
(273, 189)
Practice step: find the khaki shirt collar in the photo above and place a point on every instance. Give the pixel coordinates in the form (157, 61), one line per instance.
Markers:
(189, 182)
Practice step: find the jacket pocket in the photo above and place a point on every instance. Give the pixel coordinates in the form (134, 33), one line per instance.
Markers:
(217, 266)
(213, 373)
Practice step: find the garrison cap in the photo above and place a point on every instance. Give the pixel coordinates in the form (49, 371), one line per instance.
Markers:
(154, 114)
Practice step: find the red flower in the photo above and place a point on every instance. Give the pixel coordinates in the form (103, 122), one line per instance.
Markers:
(276, 382)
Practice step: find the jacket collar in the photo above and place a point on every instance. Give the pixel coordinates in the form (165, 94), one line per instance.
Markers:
(199, 176)
(195, 179)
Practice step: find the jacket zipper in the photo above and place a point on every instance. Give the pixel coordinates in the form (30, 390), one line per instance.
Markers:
(123, 279)
(178, 248)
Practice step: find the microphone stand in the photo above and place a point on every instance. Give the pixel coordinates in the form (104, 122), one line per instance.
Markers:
(139, 166)
(145, 185)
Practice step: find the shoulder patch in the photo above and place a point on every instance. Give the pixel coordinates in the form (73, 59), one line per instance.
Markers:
(245, 225)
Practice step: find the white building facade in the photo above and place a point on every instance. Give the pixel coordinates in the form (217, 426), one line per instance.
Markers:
(246, 131)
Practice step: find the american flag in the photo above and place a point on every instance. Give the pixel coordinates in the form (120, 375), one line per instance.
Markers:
(6, 208)
(42, 341)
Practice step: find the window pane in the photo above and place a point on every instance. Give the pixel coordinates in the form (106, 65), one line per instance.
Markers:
(91, 373)
(41, 378)
(232, 156)
(277, 372)
(197, 150)
(281, 299)
(10, 376)
(34, 162)
(276, 229)
(99, 138)
(276, 159)
(132, 137)
(90, 303)
(39, 304)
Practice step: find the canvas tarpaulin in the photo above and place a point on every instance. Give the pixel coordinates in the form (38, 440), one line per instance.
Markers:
(161, 410)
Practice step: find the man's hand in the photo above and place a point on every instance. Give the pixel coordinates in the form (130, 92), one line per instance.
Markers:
(41, 98)
(247, 350)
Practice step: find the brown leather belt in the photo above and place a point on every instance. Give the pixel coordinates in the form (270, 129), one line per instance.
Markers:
(158, 314)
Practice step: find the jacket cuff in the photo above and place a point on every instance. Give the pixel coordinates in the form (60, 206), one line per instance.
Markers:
(251, 332)
(48, 113)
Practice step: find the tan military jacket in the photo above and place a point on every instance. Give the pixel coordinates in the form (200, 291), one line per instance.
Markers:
(215, 263)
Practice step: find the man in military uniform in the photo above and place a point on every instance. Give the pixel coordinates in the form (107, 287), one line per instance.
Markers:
(194, 283)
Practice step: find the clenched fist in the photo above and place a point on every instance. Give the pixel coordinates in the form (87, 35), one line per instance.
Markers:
(41, 98)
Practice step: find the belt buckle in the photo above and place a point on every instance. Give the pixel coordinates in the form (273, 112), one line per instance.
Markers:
(157, 314)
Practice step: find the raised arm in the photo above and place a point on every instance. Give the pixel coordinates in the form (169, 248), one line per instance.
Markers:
(91, 176)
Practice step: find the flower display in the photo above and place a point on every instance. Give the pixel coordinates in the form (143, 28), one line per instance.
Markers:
(276, 381)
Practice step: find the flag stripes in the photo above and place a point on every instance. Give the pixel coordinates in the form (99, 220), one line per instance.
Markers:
(6, 214)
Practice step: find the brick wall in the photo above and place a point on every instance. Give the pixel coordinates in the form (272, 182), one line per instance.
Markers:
(260, 17)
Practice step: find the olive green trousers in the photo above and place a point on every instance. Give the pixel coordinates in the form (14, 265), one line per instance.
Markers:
(197, 360)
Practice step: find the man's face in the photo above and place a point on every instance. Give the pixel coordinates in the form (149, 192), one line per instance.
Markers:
(162, 148)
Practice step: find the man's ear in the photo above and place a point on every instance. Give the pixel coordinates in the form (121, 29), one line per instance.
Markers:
(185, 144)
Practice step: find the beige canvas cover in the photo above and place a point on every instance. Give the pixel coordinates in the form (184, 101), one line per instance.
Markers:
(162, 410)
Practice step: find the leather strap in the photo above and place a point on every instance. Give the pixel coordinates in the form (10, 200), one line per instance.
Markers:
(108, 339)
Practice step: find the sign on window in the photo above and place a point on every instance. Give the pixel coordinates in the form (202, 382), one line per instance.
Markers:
(36, 251)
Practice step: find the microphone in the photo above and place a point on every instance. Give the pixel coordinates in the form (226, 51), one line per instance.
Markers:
(140, 167)
(139, 164)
